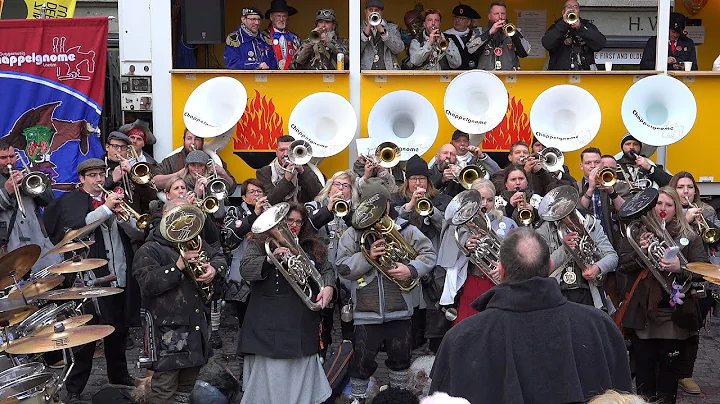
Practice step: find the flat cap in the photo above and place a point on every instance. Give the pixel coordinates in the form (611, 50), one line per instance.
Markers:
(197, 157)
(117, 136)
(90, 164)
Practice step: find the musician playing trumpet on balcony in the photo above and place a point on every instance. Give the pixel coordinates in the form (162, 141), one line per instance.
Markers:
(432, 50)
(502, 45)
(572, 41)
(380, 41)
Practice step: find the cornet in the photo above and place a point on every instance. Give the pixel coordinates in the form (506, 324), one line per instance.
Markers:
(374, 19)
(316, 35)
(571, 18)
(424, 206)
(127, 212)
(387, 155)
(709, 234)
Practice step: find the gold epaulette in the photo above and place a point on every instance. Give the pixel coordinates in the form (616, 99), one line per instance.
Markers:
(233, 40)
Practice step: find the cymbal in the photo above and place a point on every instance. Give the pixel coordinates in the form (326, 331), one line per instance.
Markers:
(18, 314)
(712, 280)
(704, 269)
(71, 322)
(76, 234)
(30, 289)
(69, 267)
(78, 293)
(71, 247)
(19, 261)
(60, 340)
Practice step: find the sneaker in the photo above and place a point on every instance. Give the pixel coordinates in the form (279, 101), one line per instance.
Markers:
(215, 340)
(689, 385)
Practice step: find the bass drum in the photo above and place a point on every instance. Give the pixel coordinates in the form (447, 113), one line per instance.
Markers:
(37, 389)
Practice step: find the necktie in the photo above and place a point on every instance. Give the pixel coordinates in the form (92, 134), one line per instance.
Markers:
(672, 47)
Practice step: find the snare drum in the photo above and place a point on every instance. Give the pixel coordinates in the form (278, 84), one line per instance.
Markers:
(45, 317)
(36, 389)
(20, 372)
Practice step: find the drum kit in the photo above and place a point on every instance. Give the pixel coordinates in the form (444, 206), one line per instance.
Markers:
(36, 317)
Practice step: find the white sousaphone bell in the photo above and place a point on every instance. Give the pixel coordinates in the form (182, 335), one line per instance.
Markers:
(326, 121)
(476, 101)
(565, 117)
(659, 110)
(406, 119)
(215, 107)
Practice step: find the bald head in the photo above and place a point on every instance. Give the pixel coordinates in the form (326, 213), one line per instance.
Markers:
(446, 152)
(524, 254)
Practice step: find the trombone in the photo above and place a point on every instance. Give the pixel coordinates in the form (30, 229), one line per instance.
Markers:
(127, 212)
(140, 172)
(709, 234)
(34, 183)
(18, 197)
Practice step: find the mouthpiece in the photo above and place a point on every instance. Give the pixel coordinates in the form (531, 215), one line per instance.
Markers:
(483, 209)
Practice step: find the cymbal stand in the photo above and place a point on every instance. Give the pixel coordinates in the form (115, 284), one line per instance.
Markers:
(12, 275)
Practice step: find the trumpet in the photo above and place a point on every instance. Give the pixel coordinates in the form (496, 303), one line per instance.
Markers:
(469, 174)
(127, 212)
(300, 152)
(34, 183)
(509, 29)
(208, 205)
(18, 197)
(387, 154)
(341, 208)
(441, 43)
(525, 215)
(709, 234)
(606, 177)
(550, 158)
(374, 19)
(571, 18)
(424, 206)
(216, 187)
(316, 35)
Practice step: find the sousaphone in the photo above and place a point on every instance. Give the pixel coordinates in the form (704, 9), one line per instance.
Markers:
(406, 119)
(659, 110)
(476, 101)
(215, 107)
(327, 121)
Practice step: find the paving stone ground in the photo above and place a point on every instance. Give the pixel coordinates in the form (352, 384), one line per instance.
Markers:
(707, 366)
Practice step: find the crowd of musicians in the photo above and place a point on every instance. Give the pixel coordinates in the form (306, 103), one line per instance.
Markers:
(408, 282)
(423, 43)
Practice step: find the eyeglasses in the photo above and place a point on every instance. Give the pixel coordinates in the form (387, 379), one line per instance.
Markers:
(572, 7)
(117, 146)
(343, 185)
(255, 192)
(296, 222)
(417, 180)
(95, 175)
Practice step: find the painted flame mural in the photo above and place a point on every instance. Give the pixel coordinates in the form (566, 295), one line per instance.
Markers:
(514, 127)
(260, 127)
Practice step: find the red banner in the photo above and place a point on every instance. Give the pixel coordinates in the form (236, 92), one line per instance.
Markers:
(52, 83)
(64, 50)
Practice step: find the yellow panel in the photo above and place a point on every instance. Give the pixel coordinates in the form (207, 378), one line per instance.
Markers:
(281, 93)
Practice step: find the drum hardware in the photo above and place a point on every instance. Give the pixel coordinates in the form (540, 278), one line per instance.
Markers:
(148, 355)
(70, 322)
(705, 269)
(75, 236)
(77, 264)
(15, 264)
(141, 221)
(36, 286)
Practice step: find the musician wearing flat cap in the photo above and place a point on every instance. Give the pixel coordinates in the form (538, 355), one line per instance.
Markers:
(284, 43)
(77, 209)
(380, 42)
(500, 46)
(431, 50)
(245, 48)
(681, 49)
(572, 41)
(462, 31)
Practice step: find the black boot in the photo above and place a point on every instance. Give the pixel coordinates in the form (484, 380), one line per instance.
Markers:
(215, 339)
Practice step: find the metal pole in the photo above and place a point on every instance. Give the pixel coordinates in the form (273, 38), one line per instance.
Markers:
(355, 99)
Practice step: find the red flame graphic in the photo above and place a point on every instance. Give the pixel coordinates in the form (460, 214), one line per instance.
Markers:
(260, 126)
(515, 126)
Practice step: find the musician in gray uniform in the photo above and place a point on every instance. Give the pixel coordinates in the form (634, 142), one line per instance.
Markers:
(496, 50)
(379, 45)
(578, 284)
(425, 51)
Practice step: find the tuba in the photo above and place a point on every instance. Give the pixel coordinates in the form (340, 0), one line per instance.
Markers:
(559, 207)
(477, 222)
(182, 225)
(638, 213)
(370, 217)
(294, 266)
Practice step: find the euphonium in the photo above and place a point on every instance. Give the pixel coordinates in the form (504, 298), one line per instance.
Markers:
(127, 212)
(606, 177)
(709, 234)
(639, 212)
(387, 154)
(34, 183)
(396, 250)
(571, 18)
(205, 290)
(525, 214)
(473, 218)
(509, 29)
(294, 266)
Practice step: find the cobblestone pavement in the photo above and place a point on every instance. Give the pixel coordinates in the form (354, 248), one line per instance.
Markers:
(707, 371)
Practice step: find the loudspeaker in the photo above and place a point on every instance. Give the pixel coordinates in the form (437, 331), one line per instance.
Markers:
(203, 21)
